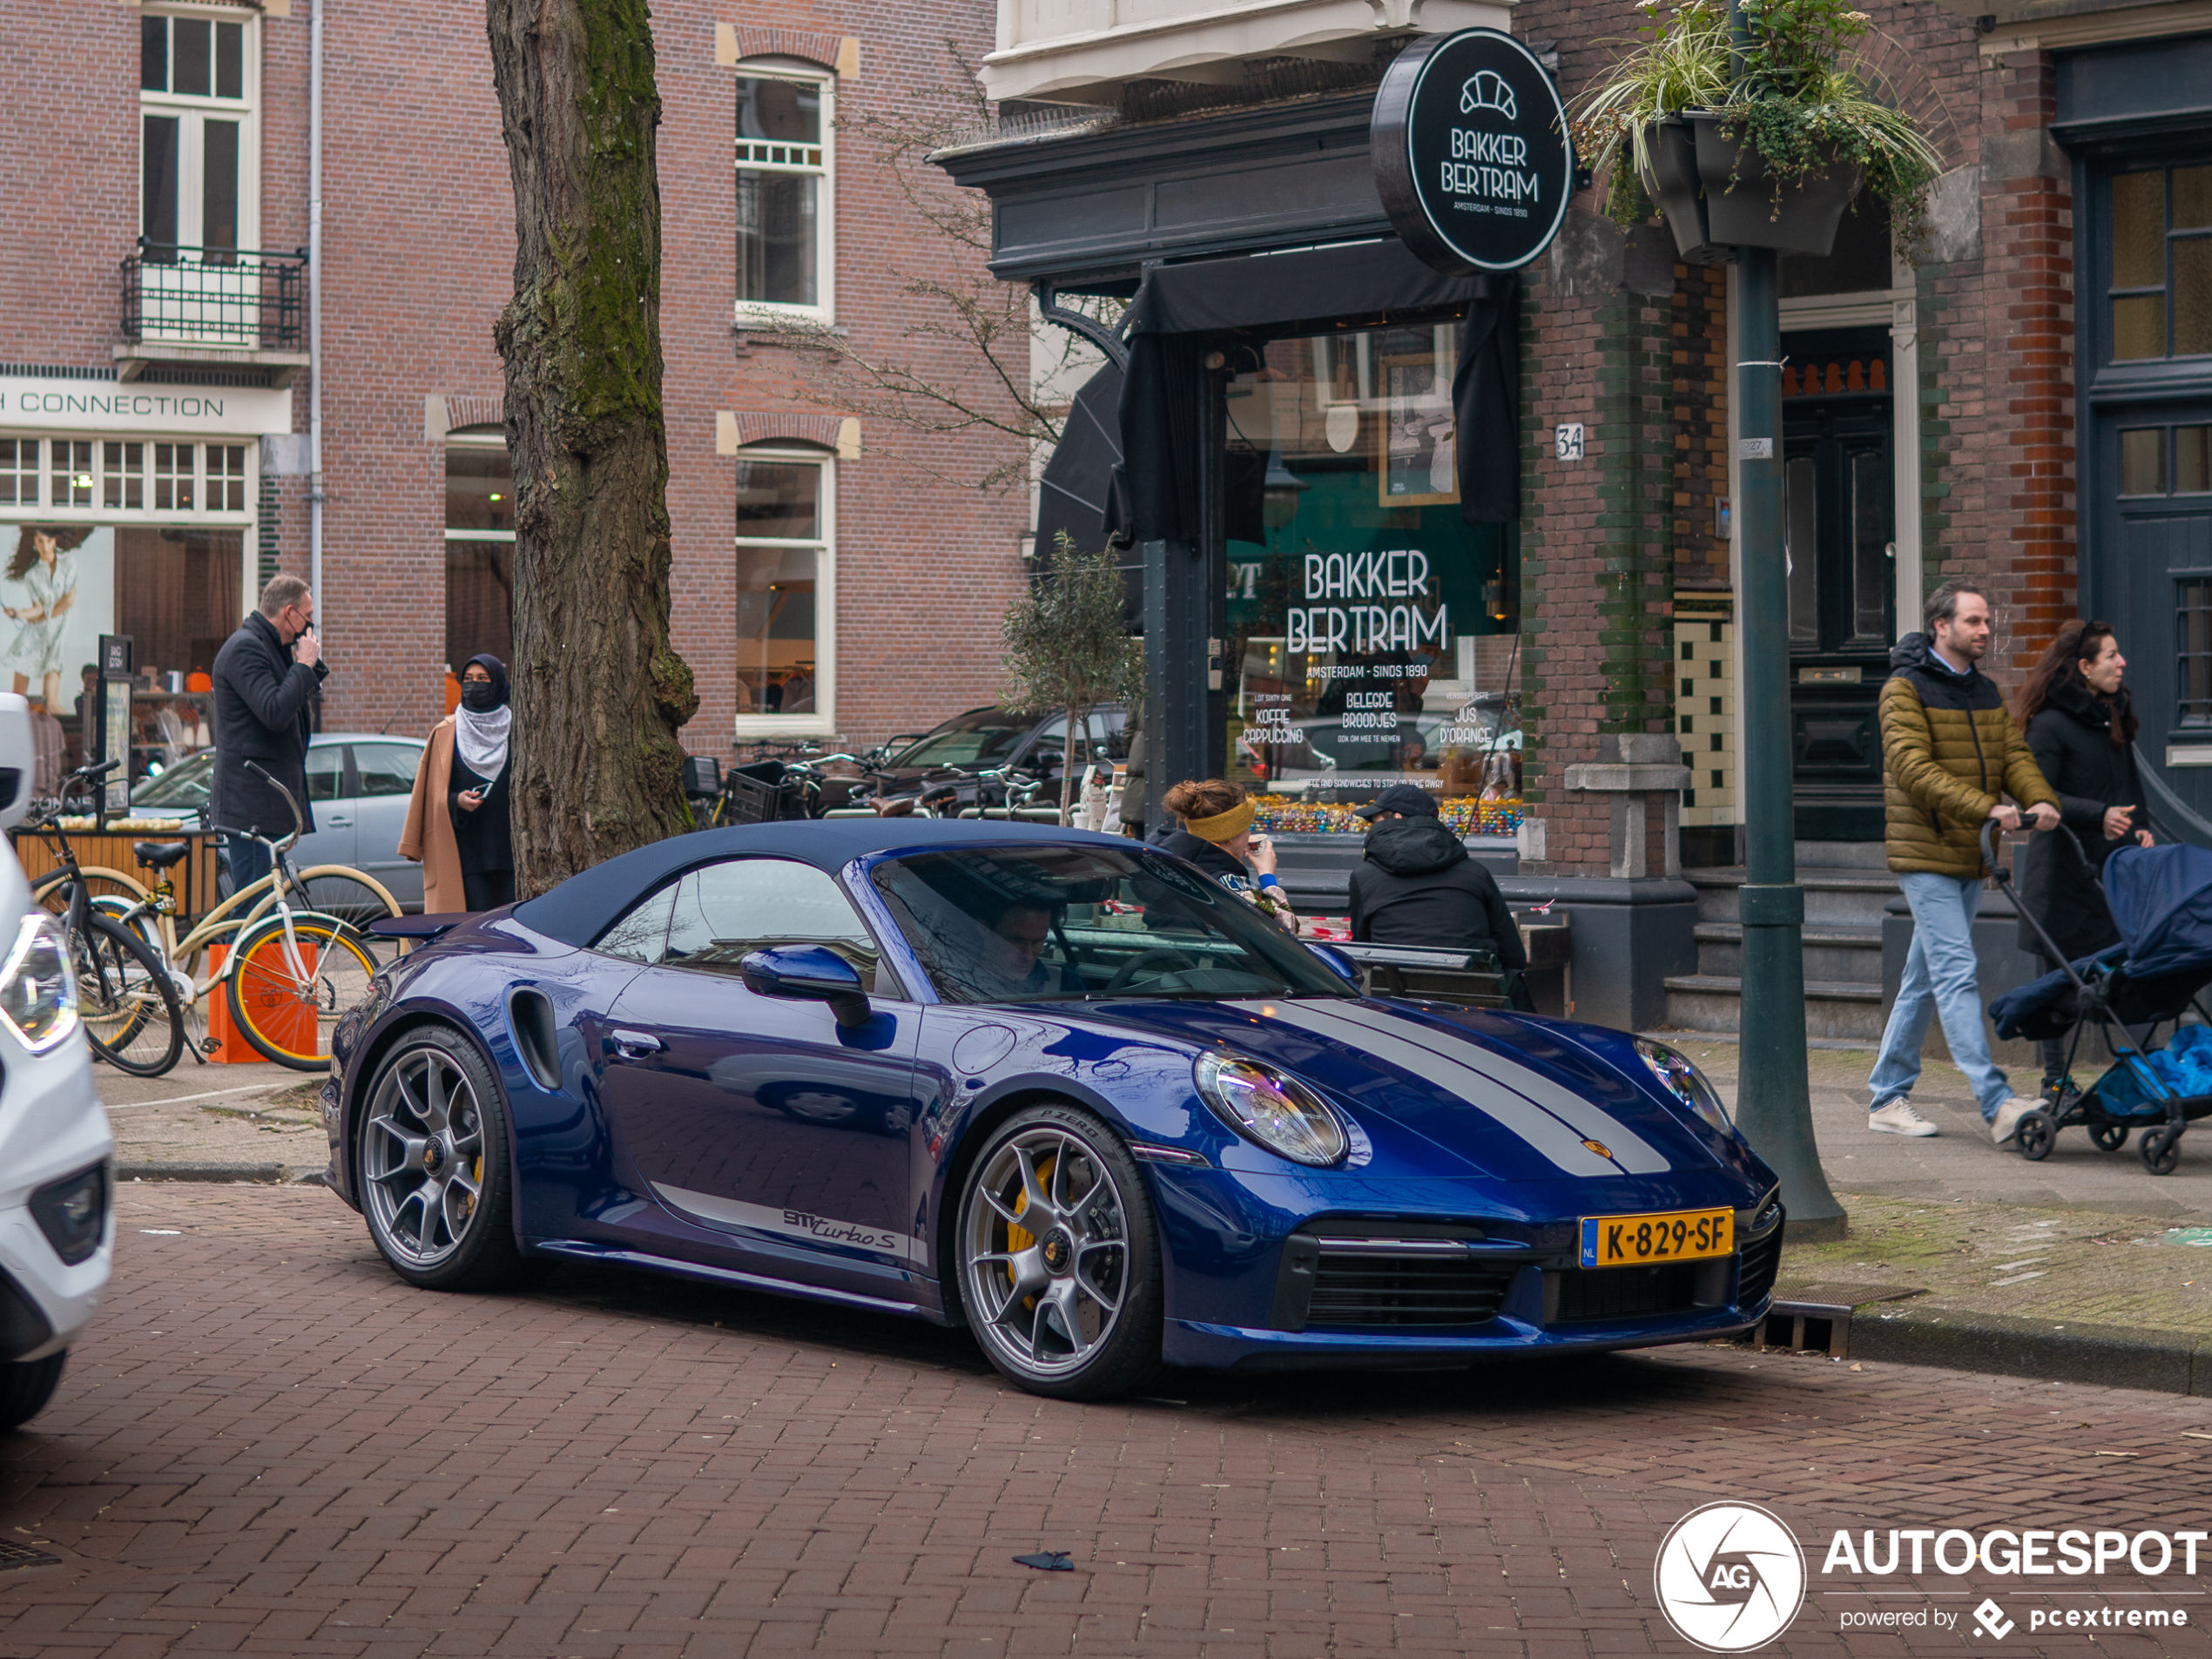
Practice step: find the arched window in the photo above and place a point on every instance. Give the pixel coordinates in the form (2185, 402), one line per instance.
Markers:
(787, 590)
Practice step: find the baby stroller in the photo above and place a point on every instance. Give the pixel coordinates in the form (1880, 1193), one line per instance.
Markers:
(2161, 899)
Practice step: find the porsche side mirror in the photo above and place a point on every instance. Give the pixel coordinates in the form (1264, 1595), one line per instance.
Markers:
(807, 972)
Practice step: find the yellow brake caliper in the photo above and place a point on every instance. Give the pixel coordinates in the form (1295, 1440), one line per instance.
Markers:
(1020, 1238)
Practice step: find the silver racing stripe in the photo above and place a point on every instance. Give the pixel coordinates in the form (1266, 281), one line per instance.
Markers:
(789, 1223)
(1543, 1132)
(1630, 1150)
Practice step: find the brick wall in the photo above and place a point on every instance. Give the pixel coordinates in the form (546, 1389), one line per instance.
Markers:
(418, 253)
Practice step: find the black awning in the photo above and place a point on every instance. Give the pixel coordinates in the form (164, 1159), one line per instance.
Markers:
(1154, 495)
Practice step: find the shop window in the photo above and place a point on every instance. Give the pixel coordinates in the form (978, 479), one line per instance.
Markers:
(225, 477)
(172, 477)
(785, 212)
(18, 472)
(784, 544)
(123, 475)
(480, 546)
(2160, 242)
(2193, 659)
(195, 76)
(1360, 597)
(71, 482)
(177, 594)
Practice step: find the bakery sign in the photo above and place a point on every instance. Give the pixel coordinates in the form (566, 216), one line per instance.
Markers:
(1471, 152)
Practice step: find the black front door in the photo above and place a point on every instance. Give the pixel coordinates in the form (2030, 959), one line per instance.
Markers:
(1838, 506)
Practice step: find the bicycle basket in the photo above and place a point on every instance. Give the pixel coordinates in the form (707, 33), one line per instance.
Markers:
(757, 794)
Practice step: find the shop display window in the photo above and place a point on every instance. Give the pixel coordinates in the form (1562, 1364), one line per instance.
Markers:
(1370, 627)
(783, 549)
(19, 472)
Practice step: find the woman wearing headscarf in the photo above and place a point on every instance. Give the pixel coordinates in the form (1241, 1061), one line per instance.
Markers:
(1217, 836)
(458, 825)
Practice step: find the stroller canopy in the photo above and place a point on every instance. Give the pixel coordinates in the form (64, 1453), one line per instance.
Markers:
(2162, 903)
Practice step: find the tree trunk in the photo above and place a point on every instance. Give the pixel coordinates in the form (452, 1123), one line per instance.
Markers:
(598, 690)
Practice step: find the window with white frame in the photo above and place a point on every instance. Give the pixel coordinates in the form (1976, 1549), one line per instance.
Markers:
(198, 74)
(18, 472)
(480, 546)
(785, 189)
(106, 478)
(787, 590)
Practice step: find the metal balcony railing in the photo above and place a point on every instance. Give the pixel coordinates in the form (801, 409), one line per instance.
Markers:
(231, 298)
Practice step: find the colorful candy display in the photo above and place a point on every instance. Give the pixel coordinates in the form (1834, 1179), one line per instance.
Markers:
(1468, 814)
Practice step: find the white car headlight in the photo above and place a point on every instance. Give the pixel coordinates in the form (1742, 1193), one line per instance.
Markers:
(1271, 1109)
(38, 990)
(1685, 1083)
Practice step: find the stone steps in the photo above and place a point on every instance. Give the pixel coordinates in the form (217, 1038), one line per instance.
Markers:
(1846, 892)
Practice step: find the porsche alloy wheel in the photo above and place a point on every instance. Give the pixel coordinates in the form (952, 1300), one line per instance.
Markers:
(1060, 1256)
(433, 1167)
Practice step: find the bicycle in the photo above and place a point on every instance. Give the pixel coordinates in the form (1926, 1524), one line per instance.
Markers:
(125, 1001)
(287, 975)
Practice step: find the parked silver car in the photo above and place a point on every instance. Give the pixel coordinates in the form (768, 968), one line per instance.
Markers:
(359, 783)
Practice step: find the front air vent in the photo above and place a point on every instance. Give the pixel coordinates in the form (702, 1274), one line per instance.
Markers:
(1415, 1277)
(1593, 1293)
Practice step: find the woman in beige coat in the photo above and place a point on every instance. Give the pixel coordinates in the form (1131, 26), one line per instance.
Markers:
(457, 823)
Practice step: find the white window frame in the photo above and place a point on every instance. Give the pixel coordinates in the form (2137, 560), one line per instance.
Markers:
(115, 446)
(245, 110)
(824, 310)
(822, 721)
(471, 441)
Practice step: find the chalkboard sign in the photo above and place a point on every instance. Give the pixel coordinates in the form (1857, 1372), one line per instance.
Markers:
(1471, 151)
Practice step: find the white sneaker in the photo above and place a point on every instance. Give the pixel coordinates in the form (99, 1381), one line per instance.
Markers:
(2009, 1113)
(1897, 1117)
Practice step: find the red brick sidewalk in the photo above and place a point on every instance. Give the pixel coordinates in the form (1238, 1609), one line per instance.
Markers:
(271, 1446)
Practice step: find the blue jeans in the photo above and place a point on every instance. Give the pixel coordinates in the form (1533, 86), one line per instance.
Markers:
(248, 862)
(1939, 978)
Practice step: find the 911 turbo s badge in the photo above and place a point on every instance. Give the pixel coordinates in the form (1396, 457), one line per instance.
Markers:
(790, 1223)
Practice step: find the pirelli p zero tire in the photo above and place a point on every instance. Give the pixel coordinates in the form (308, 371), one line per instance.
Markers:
(1059, 1256)
(432, 1168)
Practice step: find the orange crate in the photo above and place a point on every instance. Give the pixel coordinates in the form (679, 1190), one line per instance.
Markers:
(285, 1020)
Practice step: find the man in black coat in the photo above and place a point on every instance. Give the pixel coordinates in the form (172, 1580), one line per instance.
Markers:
(265, 675)
(1417, 885)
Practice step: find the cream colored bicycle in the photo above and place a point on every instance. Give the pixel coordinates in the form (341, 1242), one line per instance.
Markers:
(287, 973)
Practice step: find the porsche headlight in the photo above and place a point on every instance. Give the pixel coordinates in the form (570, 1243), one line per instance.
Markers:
(38, 991)
(1685, 1083)
(1271, 1109)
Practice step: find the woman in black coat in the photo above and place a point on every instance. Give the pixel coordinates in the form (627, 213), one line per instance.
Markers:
(2082, 731)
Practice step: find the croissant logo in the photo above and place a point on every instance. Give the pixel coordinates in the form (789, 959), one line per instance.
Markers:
(1488, 91)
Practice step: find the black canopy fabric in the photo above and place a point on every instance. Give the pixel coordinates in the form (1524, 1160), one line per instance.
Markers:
(1071, 496)
(1154, 491)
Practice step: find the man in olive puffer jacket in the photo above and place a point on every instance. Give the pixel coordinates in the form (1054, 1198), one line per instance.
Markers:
(1951, 753)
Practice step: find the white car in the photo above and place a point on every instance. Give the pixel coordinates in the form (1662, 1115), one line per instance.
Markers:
(57, 1155)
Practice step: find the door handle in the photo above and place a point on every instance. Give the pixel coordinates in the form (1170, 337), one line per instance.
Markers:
(335, 822)
(634, 1045)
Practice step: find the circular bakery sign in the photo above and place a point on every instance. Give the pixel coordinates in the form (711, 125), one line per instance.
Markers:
(1471, 152)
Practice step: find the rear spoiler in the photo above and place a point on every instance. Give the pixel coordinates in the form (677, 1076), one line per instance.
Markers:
(431, 927)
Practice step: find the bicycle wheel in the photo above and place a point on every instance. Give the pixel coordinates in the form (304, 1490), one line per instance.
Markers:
(50, 892)
(129, 1008)
(287, 1004)
(352, 897)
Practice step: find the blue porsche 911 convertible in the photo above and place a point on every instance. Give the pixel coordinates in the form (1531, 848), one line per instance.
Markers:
(1053, 1086)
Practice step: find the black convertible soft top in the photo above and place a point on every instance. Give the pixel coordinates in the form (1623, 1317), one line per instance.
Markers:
(585, 904)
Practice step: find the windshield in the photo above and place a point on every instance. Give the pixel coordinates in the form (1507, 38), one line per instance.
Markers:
(184, 785)
(979, 738)
(1049, 923)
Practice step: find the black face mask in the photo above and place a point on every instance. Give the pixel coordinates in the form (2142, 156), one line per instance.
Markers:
(478, 698)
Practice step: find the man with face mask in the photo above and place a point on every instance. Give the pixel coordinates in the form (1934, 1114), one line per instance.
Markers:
(458, 827)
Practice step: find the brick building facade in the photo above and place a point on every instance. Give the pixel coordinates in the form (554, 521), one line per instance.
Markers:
(188, 125)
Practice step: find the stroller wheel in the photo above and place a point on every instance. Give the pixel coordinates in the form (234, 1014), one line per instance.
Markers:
(2109, 1137)
(2160, 1150)
(2034, 1136)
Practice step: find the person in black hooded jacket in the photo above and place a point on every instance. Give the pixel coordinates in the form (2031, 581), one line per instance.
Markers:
(1417, 885)
(2082, 729)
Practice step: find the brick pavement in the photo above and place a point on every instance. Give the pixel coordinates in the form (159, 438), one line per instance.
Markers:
(268, 1446)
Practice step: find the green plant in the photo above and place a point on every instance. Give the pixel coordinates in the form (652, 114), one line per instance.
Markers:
(1067, 647)
(1793, 89)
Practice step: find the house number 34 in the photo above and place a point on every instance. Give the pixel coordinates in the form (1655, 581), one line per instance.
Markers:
(1567, 442)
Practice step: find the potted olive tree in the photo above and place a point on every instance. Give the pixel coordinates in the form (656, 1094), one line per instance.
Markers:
(1756, 139)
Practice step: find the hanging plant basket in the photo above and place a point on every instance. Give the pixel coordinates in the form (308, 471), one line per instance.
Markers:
(1671, 181)
(1741, 207)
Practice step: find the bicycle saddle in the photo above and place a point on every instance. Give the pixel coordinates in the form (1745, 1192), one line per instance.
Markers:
(159, 855)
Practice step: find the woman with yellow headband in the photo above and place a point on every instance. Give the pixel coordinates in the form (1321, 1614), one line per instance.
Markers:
(1217, 836)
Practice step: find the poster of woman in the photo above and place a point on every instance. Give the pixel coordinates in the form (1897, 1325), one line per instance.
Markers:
(57, 593)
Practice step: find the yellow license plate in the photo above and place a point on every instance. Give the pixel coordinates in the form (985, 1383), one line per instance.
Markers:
(1674, 1236)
